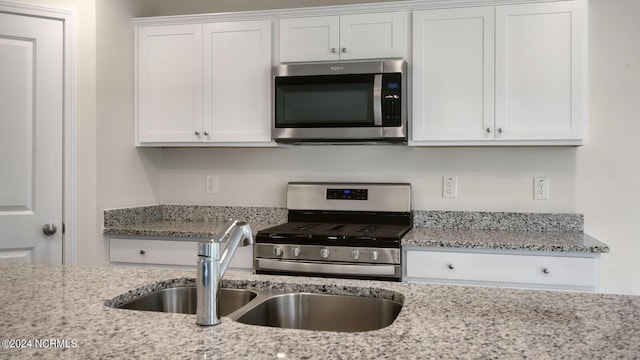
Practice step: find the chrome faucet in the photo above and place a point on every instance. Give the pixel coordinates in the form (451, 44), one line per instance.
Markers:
(213, 259)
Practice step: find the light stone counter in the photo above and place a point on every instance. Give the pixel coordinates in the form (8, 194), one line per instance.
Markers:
(504, 240)
(453, 229)
(502, 231)
(188, 221)
(169, 228)
(436, 322)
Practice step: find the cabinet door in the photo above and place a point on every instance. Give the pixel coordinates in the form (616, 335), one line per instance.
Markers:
(453, 75)
(169, 82)
(539, 69)
(568, 272)
(169, 251)
(237, 81)
(370, 36)
(309, 39)
(157, 252)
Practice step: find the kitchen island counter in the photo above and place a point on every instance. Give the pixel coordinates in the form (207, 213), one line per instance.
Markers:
(67, 304)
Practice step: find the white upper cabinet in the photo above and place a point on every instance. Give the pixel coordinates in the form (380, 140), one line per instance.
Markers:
(539, 72)
(310, 39)
(204, 84)
(532, 72)
(485, 75)
(237, 82)
(346, 37)
(372, 36)
(453, 74)
(169, 83)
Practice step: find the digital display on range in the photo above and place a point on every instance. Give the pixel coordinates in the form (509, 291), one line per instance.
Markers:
(347, 194)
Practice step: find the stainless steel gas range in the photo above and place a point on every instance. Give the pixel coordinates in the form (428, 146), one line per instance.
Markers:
(347, 230)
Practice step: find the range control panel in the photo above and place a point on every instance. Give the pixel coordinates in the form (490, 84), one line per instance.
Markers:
(359, 196)
(347, 194)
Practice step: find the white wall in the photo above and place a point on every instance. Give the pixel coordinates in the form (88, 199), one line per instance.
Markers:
(608, 169)
(126, 176)
(492, 179)
(600, 180)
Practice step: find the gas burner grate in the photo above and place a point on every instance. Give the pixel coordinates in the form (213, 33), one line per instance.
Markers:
(304, 227)
(369, 229)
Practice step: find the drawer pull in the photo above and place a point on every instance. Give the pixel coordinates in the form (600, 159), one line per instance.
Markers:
(142, 252)
(450, 267)
(546, 271)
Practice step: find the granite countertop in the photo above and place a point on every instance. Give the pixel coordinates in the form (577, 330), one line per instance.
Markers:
(504, 240)
(67, 304)
(177, 228)
(454, 229)
(189, 221)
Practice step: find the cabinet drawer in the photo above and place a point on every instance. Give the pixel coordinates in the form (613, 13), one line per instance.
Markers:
(163, 252)
(168, 252)
(461, 267)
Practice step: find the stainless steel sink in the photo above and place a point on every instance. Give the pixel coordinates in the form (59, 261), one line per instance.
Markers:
(308, 311)
(322, 312)
(183, 300)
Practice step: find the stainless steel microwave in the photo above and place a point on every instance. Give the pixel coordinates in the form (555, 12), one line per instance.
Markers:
(340, 102)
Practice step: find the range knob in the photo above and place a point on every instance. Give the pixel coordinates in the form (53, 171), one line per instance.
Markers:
(277, 251)
(295, 251)
(324, 253)
(374, 255)
(355, 254)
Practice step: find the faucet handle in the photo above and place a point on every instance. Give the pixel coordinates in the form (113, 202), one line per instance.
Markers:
(248, 234)
(226, 229)
(211, 247)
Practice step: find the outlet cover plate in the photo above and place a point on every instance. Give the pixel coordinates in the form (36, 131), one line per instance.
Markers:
(449, 187)
(541, 188)
(211, 184)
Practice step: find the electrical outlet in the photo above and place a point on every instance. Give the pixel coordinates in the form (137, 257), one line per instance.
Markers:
(541, 188)
(211, 184)
(449, 187)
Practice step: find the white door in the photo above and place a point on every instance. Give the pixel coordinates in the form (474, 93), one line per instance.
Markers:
(370, 36)
(31, 134)
(170, 83)
(453, 74)
(237, 81)
(310, 39)
(539, 71)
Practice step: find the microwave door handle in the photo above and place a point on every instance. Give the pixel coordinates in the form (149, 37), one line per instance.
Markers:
(377, 100)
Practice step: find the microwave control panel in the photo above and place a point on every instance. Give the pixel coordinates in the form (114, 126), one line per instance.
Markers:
(392, 100)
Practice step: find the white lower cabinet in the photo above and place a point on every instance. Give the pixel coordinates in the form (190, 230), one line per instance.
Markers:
(168, 252)
(567, 271)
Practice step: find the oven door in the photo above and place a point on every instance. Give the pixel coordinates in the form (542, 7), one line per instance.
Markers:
(328, 107)
(389, 272)
(338, 261)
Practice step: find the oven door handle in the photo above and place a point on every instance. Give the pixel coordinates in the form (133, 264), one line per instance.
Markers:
(377, 100)
(324, 268)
